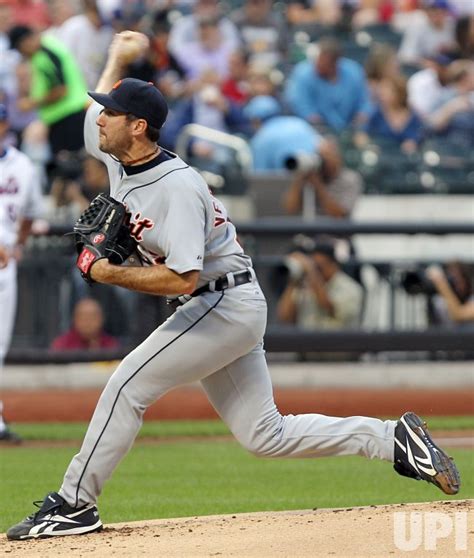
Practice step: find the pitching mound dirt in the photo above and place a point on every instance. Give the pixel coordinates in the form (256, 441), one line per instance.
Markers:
(421, 530)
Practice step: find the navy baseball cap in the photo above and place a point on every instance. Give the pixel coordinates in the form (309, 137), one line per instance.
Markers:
(137, 97)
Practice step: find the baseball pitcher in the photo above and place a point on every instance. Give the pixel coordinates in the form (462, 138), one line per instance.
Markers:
(189, 253)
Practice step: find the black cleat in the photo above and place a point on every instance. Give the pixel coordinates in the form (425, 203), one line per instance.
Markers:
(418, 457)
(56, 518)
(9, 437)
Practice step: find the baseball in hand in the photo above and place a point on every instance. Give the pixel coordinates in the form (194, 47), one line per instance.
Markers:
(128, 46)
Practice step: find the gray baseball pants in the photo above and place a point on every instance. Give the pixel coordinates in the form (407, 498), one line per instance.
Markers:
(215, 338)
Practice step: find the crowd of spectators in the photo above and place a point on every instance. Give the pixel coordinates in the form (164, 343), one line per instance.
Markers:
(291, 78)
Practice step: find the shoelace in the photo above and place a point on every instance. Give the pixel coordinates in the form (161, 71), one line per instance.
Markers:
(38, 504)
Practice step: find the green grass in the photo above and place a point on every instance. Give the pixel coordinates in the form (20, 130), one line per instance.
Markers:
(189, 478)
(166, 429)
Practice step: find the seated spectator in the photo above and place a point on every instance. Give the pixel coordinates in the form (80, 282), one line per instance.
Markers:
(88, 38)
(381, 63)
(263, 31)
(465, 37)
(455, 301)
(19, 119)
(58, 90)
(186, 29)
(236, 86)
(453, 119)
(277, 137)
(263, 80)
(331, 90)
(210, 51)
(87, 331)
(434, 34)
(169, 75)
(392, 119)
(33, 13)
(425, 88)
(319, 295)
(327, 12)
(207, 107)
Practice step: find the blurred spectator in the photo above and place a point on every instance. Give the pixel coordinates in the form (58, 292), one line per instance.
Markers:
(327, 189)
(465, 37)
(263, 31)
(19, 119)
(453, 118)
(236, 86)
(59, 12)
(461, 7)
(8, 58)
(76, 184)
(425, 88)
(330, 90)
(264, 80)
(210, 51)
(432, 35)
(87, 331)
(94, 179)
(32, 13)
(277, 137)
(455, 300)
(58, 91)
(87, 37)
(309, 11)
(207, 107)
(319, 295)
(186, 29)
(381, 62)
(169, 75)
(392, 119)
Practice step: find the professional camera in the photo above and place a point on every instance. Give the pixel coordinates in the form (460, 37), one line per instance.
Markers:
(289, 269)
(303, 162)
(416, 282)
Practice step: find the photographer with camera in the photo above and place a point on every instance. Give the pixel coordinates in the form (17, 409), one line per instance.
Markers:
(321, 185)
(455, 300)
(318, 294)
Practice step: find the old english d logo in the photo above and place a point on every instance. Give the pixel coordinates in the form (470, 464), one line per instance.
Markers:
(117, 84)
(98, 238)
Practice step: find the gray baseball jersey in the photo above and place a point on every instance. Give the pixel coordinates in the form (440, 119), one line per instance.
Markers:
(174, 217)
(214, 338)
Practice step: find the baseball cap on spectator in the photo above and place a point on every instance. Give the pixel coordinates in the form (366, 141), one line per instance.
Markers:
(262, 107)
(3, 112)
(441, 59)
(17, 34)
(437, 4)
(137, 97)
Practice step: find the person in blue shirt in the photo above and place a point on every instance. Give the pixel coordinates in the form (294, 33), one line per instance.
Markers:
(278, 137)
(392, 119)
(331, 90)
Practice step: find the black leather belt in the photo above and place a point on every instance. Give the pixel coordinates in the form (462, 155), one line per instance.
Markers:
(225, 282)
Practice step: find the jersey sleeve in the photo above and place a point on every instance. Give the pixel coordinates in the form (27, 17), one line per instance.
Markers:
(182, 231)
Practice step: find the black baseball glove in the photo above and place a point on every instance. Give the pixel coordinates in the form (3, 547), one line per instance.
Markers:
(101, 232)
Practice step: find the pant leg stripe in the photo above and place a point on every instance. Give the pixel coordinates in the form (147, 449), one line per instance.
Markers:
(125, 383)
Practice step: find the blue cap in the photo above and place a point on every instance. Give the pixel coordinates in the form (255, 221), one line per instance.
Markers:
(262, 107)
(3, 112)
(137, 97)
(439, 4)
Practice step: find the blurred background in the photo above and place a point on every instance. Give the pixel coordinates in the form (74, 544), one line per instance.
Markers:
(339, 134)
